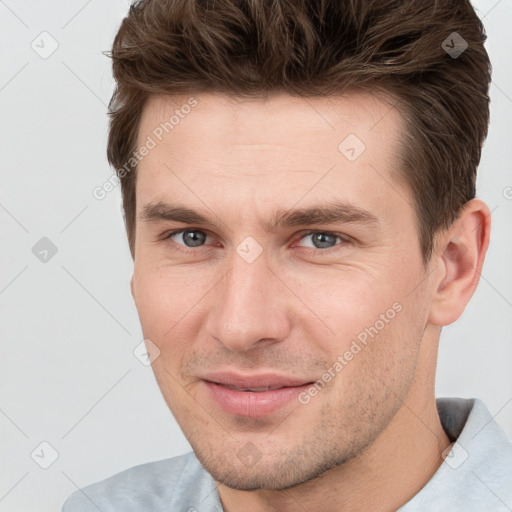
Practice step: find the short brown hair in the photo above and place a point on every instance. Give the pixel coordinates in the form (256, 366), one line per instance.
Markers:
(250, 48)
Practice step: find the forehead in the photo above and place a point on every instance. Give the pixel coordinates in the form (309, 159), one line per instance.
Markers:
(212, 116)
(278, 150)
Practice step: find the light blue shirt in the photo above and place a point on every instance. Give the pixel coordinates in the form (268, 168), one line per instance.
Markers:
(476, 475)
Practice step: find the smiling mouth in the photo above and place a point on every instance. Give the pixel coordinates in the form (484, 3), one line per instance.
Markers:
(253, 399)
(254, 389)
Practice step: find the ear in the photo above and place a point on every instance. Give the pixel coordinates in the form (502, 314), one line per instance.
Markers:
(459, 256)
(131, 286)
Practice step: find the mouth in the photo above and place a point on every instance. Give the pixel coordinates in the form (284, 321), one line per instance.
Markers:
(255, 390)
(253, 396)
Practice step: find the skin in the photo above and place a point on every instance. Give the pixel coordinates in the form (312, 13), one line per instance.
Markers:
(371, 438)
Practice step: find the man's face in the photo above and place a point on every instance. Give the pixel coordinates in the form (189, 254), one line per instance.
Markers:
(262, 296)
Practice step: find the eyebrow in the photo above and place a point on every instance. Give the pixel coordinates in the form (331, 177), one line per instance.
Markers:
(330, 213)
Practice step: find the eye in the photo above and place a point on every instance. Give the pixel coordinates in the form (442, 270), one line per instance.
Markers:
(187, 237)
(322, 240)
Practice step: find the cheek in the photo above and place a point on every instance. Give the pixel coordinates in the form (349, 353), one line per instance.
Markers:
(379, 367)
(342, 303)
(165, 296)
(375, 328)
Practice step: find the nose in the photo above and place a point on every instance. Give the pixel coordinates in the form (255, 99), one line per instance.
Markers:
(251, 307)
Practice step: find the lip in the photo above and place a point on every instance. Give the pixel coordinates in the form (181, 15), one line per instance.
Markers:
(227, 391)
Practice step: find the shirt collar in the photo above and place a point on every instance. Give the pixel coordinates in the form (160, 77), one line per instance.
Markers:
(477, 470)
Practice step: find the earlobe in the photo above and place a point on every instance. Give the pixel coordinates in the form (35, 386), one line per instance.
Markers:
(460, 257)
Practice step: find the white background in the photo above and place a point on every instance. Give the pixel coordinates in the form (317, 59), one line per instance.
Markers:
(69, 326)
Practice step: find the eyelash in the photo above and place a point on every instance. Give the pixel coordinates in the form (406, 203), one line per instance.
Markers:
(189, 250)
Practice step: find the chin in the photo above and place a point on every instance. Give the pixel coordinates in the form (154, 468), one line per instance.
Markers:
(274, 476)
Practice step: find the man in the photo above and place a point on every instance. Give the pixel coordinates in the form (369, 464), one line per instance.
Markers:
(298, 182)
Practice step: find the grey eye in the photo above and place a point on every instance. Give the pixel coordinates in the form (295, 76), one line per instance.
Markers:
(191, 237)
(321, 240)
